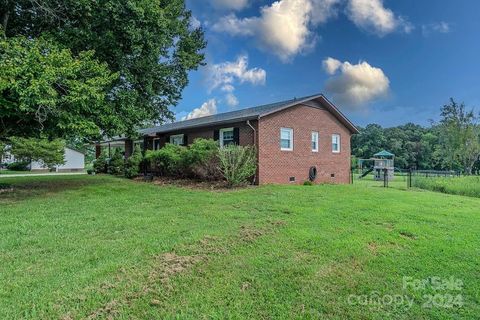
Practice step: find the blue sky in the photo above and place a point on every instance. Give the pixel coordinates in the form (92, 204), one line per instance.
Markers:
(386, 62)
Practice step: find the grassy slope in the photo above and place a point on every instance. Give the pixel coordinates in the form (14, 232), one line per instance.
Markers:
(78, 246)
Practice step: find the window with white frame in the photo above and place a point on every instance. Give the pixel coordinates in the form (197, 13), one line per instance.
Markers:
(226, 137)
(335, 143)
(314, 141)
(286, 139)
(176, 139)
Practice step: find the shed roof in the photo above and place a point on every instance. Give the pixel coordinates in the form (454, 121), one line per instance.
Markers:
(248, 114)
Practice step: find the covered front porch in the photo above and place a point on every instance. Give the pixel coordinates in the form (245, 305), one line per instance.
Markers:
(109, 147)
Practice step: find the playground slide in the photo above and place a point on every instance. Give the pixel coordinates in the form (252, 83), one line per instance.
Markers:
(365, 173)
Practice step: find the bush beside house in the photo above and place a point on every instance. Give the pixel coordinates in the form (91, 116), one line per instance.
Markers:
(203, 159)
(132, 165)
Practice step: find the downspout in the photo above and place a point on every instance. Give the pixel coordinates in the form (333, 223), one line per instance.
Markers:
(255, 146)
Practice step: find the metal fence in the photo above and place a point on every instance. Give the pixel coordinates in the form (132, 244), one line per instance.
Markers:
(404, 175)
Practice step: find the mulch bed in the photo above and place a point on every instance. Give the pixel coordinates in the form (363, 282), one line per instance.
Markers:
(192, 183)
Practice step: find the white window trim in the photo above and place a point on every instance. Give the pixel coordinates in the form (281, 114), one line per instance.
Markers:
(176, 136)
(315, 133)
(339, 143)
(220, 133)
(291, 139)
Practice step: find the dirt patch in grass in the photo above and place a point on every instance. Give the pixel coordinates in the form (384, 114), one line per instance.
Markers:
(373, 247)
(166, 266)
(170, 264)
(407, 235)
(251, 233)
(108, 311)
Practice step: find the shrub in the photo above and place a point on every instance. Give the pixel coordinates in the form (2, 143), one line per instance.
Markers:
(132, 165)
(100, 164)
(237, 164)
(308, 183)
(169, 160)
(18, 166)
(116, 165)
(202, 159)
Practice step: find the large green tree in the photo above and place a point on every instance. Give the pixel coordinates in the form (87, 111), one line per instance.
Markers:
(149, 44)
(459, 137)
(46, 89)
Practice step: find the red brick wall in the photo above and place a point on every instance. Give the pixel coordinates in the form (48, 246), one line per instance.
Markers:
(277, 166)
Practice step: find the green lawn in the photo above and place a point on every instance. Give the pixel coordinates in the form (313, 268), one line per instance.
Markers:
(467, 185)
(101, 247)
(14, 172)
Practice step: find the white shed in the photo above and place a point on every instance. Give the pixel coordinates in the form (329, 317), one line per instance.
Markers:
(74, 161)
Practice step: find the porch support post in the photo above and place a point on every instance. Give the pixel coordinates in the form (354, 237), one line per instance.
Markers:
(128, 148)
(98, 151)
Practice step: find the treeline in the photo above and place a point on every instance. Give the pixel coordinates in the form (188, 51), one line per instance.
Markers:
(451, 144)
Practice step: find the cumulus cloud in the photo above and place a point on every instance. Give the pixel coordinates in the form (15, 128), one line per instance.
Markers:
(371, 15)
(231, 99)
(331, 65)
(354, 85)
(230, 4)
(206, 109)
(284, 27)
(439, 27)
(225, 75)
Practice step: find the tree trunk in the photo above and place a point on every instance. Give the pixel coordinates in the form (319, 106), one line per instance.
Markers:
(5, 17)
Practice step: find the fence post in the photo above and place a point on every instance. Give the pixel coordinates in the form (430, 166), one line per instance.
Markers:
(409, 180)
(385, 178)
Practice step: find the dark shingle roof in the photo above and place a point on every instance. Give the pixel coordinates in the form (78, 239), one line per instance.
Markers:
(234, 116)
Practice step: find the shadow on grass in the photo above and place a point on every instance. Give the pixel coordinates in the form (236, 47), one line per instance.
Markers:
(18, 189)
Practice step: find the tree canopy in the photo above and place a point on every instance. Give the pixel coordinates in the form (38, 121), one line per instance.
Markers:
(45, 87)
(137, 52)
(451, 144)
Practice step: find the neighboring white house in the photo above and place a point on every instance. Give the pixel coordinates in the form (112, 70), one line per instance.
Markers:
(74, 161)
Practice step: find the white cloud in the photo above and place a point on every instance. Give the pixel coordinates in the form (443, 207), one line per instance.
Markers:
(228, 88)
(354, 85)
(230, 4)
(331, 65)
(232, 100)
(206, 109)
(284, 27)
(226, 74)
(372, 16)
(439, 27)
(322, 10)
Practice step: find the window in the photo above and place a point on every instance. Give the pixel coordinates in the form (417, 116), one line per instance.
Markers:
(177, 139)
(226, 137)
(336, 143)
(156, 144)
(314, 141)
(286, 139)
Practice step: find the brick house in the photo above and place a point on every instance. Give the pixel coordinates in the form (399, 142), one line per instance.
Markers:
(292, 137)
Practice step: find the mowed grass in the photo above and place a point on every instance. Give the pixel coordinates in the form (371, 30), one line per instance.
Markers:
(101, 247)
(466, 186)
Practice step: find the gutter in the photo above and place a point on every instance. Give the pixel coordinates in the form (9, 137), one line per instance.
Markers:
(255, 146)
